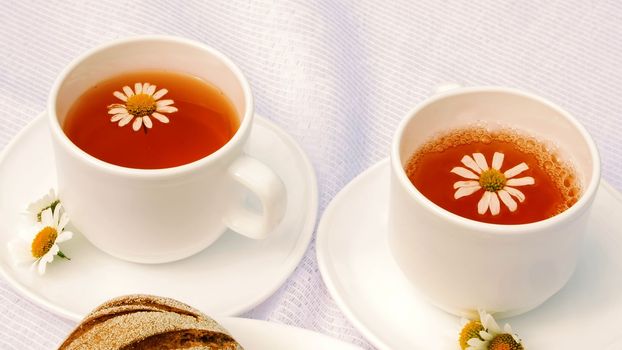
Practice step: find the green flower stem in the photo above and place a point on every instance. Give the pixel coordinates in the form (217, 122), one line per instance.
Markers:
(62, 255)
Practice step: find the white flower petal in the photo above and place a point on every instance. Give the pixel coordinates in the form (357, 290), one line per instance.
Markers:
(49, 256)
(41, 265)
(138, 88)
(481, 161)
(120, 96)
(507, 200)
(64, 236)
(118, 110)
(115, 118)
(516, 193)
(159, 94)
(485, 335)
(464, 172)
(167, 109)
(497, 160)
(491, 325)
(128, 91)
(126, 120)
(150, 90)
(20, 251)
(56, 216)
(162, 118)
(475, 342)
(35, 207)
(163, 103)
(495, 206)
(484, 203)
(47, 218)
(145, 87)
(470, 163)
(469, 183)
(507, 328)
(465, 191)
(138, 122)
(523, 181)
(147, 122)
(510, 173)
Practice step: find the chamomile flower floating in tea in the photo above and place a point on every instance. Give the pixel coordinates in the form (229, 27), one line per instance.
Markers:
(140, 104)
(48, 201)
(506, 176)
(486, 334)
(496, 185)
(39, 245)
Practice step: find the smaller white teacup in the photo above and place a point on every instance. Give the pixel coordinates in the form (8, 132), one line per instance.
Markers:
(463, 265)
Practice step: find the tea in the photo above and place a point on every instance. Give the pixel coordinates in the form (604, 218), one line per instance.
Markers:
(500, 177)
(151, 120)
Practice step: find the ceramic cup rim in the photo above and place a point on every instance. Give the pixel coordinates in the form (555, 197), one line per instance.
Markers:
(68, 145)
(488, 228)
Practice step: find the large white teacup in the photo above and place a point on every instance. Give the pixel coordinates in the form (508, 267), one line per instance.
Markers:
(463, 265)
(161, 215)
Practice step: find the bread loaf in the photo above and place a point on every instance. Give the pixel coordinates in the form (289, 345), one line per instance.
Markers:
(137, 322)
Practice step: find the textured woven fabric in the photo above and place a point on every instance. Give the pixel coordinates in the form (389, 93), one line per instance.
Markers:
(338, 76)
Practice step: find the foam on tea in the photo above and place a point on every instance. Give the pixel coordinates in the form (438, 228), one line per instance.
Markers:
(494, 176)
(151, 120)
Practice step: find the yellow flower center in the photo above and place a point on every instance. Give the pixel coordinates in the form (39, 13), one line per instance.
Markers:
(44, 240)
(492, 180)
(469, 331)
(141, 105)
(504, 342)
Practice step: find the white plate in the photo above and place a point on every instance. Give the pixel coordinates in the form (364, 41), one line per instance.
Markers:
(362, 277)
(262, 335)
(230, 277)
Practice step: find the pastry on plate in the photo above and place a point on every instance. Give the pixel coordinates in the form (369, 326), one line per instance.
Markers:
(137, 322)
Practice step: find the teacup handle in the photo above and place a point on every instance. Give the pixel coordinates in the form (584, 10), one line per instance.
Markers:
(268, 187)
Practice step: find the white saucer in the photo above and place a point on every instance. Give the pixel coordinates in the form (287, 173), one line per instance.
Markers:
(368, 286)
(230, 277)
(262, 335)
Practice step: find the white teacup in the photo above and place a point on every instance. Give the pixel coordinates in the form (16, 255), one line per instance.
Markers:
(463, 265)
(161, 215)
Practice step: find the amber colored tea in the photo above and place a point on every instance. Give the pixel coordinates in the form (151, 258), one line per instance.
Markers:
(151, 120)
(500, 177)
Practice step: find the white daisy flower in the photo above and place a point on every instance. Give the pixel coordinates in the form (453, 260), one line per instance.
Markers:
(39, 245)
(496, 185)
(140, 104)
(48, 201)
(493, 337)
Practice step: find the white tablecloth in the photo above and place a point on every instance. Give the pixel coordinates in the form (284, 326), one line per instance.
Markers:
(338, 76)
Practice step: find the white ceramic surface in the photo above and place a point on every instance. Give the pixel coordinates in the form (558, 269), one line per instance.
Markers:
(438, 251)
(361, 275)
(262, 335)
(157, 211)
(229, 277)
